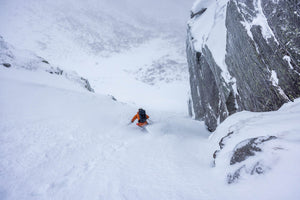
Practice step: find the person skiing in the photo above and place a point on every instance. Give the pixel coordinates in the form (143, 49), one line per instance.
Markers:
(142, 118)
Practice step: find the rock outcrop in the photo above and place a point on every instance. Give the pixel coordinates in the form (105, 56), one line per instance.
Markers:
(251, 144)
(248, 157)
(242, 55)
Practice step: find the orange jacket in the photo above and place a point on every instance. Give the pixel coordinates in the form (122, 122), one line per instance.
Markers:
(137, 116)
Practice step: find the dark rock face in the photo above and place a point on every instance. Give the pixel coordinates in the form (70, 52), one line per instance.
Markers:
(209, 102)
(252, 64)
(266, 69)
(284, 17)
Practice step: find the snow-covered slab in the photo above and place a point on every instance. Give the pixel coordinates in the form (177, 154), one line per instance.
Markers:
(260, 149)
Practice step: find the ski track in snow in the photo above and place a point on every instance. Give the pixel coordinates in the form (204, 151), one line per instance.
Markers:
(60, 144)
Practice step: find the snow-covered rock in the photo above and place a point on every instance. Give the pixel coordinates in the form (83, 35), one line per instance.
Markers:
(249, 144)
(242, 55)
(11, 57)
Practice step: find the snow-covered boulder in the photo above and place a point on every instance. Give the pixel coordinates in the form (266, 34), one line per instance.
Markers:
(22, 59)
(242, 55)
(249, 144)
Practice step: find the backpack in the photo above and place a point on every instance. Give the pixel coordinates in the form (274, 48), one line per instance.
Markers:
(143, 117)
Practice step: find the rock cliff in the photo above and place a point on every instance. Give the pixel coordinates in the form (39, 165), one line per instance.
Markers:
(242, 55)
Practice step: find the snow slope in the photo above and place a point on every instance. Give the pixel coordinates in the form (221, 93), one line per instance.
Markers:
(58, 143)
(68, 143)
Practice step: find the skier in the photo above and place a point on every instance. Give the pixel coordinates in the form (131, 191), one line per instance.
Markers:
(142, 118)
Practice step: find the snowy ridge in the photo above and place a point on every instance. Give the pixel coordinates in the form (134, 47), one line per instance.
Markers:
(22, 59)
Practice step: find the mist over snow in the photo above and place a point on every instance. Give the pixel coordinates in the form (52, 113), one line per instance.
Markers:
(115, 44)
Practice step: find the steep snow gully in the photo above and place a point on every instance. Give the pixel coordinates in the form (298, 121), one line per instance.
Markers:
(59, 141)
(71, 144)
(68, 143)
